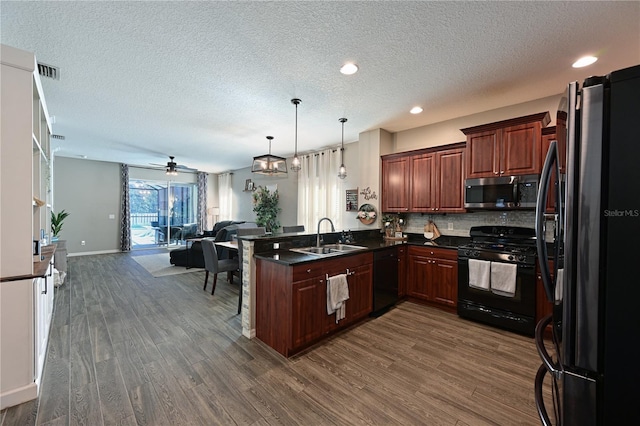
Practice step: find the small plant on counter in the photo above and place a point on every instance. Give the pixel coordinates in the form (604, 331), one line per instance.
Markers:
(56, 222)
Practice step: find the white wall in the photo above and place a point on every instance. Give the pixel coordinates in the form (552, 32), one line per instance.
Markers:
(287, 191)
(448, 132)
(89, 191)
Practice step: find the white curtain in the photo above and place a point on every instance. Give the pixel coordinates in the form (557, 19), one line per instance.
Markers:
(225, 196)
(320, 192)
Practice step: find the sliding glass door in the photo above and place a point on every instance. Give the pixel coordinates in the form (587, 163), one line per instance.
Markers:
(162, 213)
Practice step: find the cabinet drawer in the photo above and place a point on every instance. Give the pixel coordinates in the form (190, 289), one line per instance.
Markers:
(330, 266)
(440, 253)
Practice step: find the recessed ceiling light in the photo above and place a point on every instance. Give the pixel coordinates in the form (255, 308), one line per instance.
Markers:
(349, 68)
(584, 61)
(416, 110)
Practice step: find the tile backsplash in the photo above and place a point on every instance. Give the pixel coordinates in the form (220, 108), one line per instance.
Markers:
(461, 223)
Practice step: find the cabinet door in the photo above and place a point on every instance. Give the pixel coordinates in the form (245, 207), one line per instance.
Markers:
(483, 154)
(422, 183)
(444, 282)
(395, 184)
(360, 303)
(520, 149)
(450, 181)
(309, 300)
(418, 279)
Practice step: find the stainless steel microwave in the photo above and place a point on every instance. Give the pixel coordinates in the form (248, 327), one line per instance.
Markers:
(503, 193)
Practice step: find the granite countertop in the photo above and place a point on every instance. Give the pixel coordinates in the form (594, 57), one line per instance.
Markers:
(288, 257)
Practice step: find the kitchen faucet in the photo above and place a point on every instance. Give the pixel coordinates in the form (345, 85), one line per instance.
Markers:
(333, 229)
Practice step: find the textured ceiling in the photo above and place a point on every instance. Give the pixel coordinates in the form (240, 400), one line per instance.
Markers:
(207, 81)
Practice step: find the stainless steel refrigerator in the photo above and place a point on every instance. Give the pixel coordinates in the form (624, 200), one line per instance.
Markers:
(592, 362)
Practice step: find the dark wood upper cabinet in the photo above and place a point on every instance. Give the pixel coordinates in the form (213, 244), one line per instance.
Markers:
(504, 148)
(449, 196)
(424, 181)
(395, 184)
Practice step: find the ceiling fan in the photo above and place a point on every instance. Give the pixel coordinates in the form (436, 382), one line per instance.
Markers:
(172, 167)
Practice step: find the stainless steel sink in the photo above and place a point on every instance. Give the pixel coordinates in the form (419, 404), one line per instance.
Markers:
(328, 249)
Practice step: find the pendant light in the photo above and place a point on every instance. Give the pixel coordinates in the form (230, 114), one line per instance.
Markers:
(342, 173)
(269, 164)
(295, 163)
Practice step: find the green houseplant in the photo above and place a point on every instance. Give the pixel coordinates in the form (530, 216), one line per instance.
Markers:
(56, 222)
(265, 205)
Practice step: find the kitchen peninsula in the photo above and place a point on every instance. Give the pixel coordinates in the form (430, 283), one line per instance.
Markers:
(290, 295)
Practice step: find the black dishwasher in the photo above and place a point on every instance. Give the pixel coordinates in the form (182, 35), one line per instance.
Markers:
(385, 280)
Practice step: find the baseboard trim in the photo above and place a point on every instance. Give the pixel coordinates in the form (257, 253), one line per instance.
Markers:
(89, 253)
(18, 395)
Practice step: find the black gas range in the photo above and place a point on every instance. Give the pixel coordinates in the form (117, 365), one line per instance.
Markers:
(494, 246)
(501, 243)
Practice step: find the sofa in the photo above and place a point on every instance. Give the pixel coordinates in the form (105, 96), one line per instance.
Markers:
(222, 231)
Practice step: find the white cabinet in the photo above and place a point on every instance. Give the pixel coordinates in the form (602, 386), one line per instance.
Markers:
(25, 210)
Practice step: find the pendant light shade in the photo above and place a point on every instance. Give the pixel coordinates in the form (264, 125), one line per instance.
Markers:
(342, 172)
(295, 163)
(269, 164)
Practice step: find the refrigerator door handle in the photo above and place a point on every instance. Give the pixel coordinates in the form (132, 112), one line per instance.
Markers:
(550, 160)
(542, 410)
(553, 367)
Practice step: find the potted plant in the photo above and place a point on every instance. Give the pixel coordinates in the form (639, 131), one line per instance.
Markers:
(57, 221)
(265, 205)
(60, 259)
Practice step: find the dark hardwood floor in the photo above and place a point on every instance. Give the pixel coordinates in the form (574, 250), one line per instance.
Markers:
(127, 348)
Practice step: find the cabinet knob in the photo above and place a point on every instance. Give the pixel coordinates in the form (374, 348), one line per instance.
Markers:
(437, 208)
(431, 253)
(501, 172)
(496, 173)
(308, 271)
(406, 208)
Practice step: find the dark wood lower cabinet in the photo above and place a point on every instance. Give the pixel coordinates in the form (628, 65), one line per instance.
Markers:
(291, 301)
(307, 321)
(433, 275)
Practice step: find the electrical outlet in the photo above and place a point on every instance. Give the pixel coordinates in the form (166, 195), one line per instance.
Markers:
(276, 246)
(82, 243)
(450, 226)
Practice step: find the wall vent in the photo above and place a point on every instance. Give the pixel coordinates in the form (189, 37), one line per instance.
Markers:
(49, 71)
(57, 137)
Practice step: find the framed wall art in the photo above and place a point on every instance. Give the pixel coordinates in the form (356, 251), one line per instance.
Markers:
(352, 200)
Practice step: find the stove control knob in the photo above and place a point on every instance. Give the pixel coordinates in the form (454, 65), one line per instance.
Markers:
(510, 257)
(467, 252)
(521, 257)
(475, 253)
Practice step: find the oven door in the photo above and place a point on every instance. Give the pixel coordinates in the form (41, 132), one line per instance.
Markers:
(516, 313)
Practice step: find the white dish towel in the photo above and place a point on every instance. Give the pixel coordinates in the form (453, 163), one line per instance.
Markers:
(479, 273)
(337, 295)
(503, 278)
